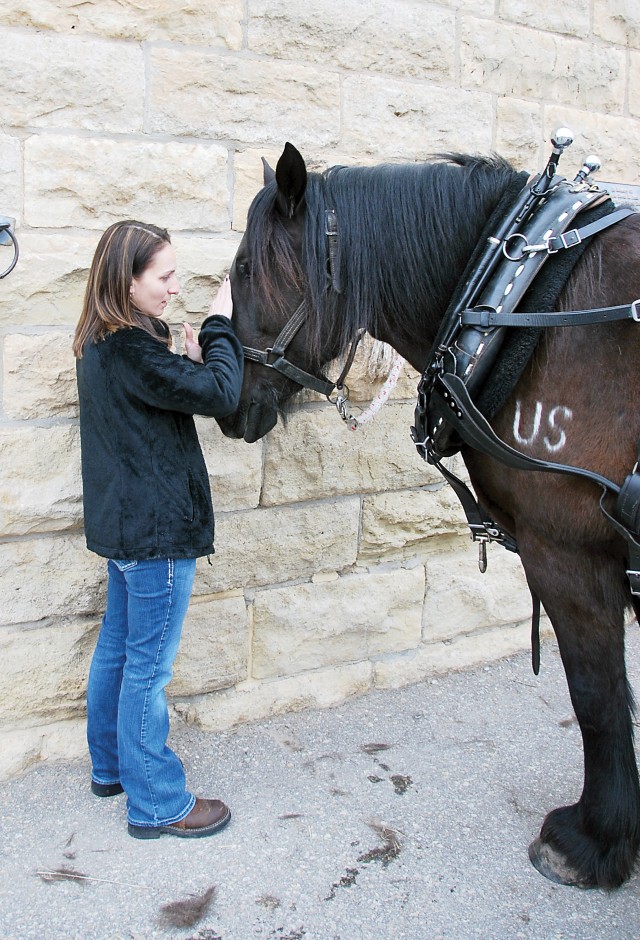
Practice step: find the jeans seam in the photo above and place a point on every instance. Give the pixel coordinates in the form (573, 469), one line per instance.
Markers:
(145, 707)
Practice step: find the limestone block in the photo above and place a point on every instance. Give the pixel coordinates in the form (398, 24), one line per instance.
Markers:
(22, 748)
(518, 62)
(214, 646)
(248, 179)
(458, 653)
(73, 85)
(406, 39)
(461, 600)
(408, 523)
(41, 482)
(615, 140)
(73, 181)
(44, 670)
(410, 121)
(254, 101)
(269, 546)
(50, 577)
(235, 468)
(10, 185)
(519, 134)
(48, 283)
(311, 626)
(617, 21)
(201, 265)
(39, 376)
(570, 18)
(317, 455)
(255, 700)
(187, 21)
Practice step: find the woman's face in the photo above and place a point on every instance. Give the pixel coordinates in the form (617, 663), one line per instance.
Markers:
(152, 291)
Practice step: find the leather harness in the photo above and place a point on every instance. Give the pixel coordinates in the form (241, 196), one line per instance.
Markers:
(468, 343)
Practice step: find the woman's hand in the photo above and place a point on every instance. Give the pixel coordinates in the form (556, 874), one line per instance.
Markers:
(222, 302)
(191, 344)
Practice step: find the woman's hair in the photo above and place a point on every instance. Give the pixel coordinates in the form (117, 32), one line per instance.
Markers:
(125, 251)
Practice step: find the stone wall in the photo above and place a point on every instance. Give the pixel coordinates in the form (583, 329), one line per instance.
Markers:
(343, 563)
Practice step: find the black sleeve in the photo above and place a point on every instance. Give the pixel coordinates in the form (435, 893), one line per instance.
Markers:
(149, 371)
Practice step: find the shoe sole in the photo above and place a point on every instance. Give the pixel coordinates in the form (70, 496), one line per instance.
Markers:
(154, 832)
(106, 789)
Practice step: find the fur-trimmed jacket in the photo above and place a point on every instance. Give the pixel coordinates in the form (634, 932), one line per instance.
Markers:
(146, 488)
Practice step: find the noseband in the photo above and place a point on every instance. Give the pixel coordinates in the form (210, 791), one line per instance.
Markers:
(273, 357)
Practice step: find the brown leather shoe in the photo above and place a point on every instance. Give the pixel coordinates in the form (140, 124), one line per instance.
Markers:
(206, 818)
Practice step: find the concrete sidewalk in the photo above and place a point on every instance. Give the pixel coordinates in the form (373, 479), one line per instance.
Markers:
(403, 814)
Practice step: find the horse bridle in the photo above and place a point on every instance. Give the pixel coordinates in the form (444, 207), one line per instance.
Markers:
(274, 356)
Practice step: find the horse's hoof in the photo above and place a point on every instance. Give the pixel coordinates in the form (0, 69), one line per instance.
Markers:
(554, 866)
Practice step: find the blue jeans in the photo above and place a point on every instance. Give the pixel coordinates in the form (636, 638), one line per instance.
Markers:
(127, 716)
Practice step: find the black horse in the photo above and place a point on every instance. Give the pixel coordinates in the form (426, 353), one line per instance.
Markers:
(407, 233)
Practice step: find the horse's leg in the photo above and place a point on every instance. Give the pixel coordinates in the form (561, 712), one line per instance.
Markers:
(594, 842)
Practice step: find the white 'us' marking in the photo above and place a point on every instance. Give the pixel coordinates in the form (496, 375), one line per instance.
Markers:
(551, 429)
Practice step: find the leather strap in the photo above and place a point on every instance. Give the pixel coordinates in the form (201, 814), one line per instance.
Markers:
(486, 318)
(455, 405)
(331, 231)
(576, 235)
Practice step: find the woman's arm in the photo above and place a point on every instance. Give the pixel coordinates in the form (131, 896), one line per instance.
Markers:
(147, 370)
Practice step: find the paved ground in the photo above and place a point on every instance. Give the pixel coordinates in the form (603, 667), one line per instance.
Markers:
(402, 815)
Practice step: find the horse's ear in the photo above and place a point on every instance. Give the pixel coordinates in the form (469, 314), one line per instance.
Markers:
(291, 176)
(268, 174)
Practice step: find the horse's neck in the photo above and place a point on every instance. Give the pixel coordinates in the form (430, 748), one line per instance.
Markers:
(423, 241)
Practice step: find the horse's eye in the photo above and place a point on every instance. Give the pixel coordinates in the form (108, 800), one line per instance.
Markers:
(244, 270)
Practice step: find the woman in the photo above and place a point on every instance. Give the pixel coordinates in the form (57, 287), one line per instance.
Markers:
(147, 508)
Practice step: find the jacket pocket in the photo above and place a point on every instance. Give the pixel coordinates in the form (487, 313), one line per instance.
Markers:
(190, 511)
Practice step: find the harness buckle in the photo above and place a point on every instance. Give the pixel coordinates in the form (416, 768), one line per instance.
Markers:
(635, 313)
(330, 222)
(634, 581)
(571, 239)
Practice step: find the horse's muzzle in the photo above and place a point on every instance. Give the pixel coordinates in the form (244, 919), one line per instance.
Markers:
(250, 423)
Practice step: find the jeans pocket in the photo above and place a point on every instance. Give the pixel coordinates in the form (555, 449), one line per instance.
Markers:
(124, 565)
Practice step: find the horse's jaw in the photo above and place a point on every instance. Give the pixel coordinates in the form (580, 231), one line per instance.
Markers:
(250, 422)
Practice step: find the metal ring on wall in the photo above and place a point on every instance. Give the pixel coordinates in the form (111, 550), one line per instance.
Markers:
(5, 229)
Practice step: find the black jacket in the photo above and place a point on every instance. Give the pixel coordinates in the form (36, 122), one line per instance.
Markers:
(145, 484)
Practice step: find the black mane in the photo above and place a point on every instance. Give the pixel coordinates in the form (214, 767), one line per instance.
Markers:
(394, 220)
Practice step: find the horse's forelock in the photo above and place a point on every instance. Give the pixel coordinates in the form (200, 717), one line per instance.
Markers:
(273, 260)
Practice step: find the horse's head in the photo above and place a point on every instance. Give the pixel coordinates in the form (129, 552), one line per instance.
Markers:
(272, 304)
